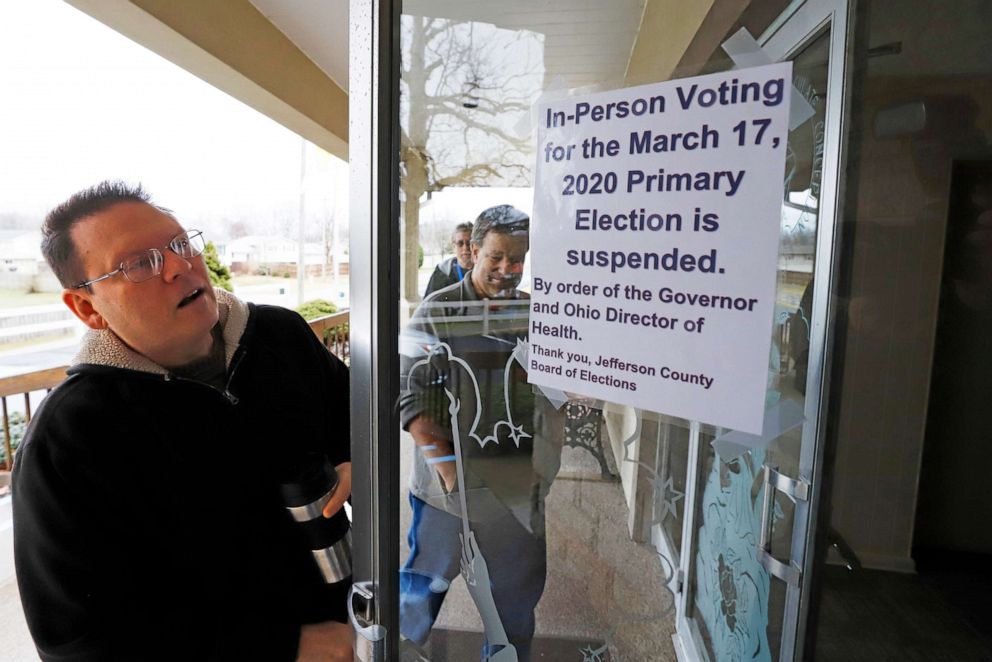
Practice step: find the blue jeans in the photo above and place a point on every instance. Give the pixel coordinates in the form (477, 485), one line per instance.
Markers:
(517, 569)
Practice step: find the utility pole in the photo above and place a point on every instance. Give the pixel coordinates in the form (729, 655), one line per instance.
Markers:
(301, 267)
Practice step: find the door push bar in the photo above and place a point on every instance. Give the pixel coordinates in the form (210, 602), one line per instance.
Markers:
(774, 481)
(370, 637)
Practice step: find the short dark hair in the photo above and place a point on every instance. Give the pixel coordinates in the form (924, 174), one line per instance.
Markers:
(461, 227)
(56, 231)
(501, 219)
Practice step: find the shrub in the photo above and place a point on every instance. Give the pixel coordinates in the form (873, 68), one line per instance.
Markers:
(316, 308)
(18, 425)
(220, 276)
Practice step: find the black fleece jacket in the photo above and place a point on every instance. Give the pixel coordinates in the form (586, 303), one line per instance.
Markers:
(148, 524)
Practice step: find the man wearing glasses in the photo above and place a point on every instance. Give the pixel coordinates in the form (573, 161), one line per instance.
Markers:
(148, 522)
(453, 269)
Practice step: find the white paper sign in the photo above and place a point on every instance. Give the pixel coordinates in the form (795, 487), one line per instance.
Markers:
(654, 244)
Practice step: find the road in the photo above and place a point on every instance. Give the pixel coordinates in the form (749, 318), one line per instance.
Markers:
(37, 357)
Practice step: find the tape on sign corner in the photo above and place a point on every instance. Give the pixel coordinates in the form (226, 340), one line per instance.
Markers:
(728, 451)
(783, 416)
(746, 52)
(555, 396)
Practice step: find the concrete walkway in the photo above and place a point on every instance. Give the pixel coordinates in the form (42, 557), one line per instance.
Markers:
(15, 641)
(602, 588)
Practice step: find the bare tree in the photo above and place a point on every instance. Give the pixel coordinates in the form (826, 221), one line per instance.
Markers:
(466, 87)
(436, 235)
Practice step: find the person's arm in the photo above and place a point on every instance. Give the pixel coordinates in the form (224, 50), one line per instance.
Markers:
(343, 491)
(434, 441)
(423, 405)
(60, 562)
(90, 589)
(334, 385)
(437, 281)
(90, 586)
(335, 388)
(339, 408)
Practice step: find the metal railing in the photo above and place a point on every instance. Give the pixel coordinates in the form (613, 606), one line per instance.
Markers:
(332, 330)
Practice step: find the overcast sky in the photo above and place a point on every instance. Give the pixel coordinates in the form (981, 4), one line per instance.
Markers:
(80, 103)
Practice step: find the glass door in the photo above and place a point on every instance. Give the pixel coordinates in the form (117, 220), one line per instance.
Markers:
(526, 515)
(501, 521)
(749, 555)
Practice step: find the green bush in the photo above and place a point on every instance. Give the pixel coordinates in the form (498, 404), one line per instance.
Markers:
(18, 424)
(316, 308)
(220, 276)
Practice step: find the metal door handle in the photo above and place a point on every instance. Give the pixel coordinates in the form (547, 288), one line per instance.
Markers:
(370, 637)
(774, 481)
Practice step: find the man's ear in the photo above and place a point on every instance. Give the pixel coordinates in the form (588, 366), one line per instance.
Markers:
(80, 303)
(475, 252)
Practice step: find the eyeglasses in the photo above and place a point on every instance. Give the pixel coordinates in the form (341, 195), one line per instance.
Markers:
(148, 263)
(461, 242)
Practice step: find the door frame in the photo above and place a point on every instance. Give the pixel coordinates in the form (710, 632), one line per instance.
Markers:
(781, 41)
(374, 137)
(800, 23)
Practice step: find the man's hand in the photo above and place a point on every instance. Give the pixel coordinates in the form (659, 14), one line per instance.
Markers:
(326, 642)
(448, 473)
(426, 432)
(342, 492)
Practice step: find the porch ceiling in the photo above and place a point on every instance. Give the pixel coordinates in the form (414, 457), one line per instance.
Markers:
(319, 29)
(586, 41)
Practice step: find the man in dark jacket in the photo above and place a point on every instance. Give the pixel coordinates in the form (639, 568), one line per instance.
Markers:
(453, 269)
(148, 521)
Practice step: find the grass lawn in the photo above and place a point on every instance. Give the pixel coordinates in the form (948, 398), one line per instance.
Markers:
(247, 280)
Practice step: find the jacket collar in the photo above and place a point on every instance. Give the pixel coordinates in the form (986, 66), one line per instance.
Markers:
(105, 348)
(468, 292)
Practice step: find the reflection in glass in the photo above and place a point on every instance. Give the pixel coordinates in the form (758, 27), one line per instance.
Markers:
(672, 467)
(465, 95)
(535, 519)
